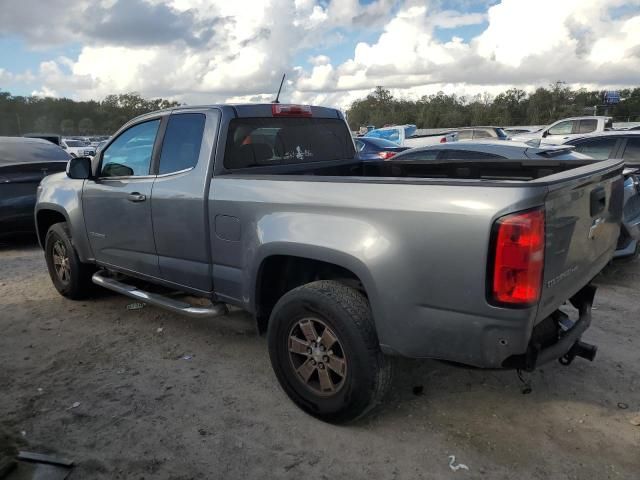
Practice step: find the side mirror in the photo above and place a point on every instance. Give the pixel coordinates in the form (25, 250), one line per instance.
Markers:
(545, 133)
(64, 147)
(79, 168)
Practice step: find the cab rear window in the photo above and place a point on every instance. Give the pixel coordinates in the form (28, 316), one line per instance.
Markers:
(254, 142)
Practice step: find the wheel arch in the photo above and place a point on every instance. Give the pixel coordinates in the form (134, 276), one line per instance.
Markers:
(282, 268)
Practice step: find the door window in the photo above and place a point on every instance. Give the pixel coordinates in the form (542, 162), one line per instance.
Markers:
(430, 154)
(588, 126)
(481, 134)
(563, 128)
(632, 151)
(130, 154)
(465, 134)
(181, 143)
(598, 148)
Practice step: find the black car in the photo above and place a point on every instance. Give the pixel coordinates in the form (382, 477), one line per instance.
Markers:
(370, 148)
(24, 162)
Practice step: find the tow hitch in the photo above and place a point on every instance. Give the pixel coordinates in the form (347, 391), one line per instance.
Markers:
(579, 349)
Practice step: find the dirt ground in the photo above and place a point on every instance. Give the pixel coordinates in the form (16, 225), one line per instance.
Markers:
(161, 396)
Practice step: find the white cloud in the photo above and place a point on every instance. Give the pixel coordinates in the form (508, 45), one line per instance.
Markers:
(238, 49)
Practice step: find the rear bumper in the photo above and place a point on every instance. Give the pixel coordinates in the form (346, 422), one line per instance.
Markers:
(496, 343)
(550, 340)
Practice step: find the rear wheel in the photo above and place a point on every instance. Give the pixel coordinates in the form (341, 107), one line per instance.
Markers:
(69, 275)
(325, 352)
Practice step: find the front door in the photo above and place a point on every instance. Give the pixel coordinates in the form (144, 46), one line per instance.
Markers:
(117, 205)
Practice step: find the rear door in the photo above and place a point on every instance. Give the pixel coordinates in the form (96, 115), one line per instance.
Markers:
(117, 205)
(180, 222)
(582, 226)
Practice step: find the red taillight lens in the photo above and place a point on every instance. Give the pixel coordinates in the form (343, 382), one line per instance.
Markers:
(280, 110)
(386, 155)
(443, 140)
(519, 258)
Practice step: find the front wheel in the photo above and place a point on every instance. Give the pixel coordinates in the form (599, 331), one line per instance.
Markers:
(325, 352)
(69, 275)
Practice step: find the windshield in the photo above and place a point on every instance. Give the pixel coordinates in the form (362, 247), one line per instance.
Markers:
(381, 142)
(255, 142)
(27, 151)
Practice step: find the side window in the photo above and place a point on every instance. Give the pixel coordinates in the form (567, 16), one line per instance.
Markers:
(588, 126)
(481, 134)
(130, 153)
(598, 148)
(563, 128)
(430, 154)
(465, 134)
(632, 150)
(469, 155)
(181, 143)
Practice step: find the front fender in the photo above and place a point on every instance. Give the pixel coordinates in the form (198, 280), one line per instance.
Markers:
(61, 194)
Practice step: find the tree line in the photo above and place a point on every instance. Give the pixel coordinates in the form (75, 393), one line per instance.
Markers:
(32, 114)
(512, 107)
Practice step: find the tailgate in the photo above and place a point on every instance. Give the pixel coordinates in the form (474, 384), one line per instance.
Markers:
(583, 218)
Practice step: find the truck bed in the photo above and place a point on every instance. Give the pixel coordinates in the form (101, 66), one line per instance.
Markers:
(503, 170)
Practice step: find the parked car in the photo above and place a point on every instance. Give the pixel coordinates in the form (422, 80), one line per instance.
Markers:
(405, 136)
(482, 133)
(623, 144)
(628, 240)
(23, 163)
(77, 148)
(50, 137)
(341, 262)
(377, 148)
(567, 129)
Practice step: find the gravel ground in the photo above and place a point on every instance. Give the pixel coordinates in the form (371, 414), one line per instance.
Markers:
(161, 396)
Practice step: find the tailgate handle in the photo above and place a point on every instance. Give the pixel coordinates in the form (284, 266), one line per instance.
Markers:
(598, 200)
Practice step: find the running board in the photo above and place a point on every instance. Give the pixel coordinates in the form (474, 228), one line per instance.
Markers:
(183, 308)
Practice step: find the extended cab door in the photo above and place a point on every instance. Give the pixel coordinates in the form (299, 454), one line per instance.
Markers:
(180, 220)
(117, 205)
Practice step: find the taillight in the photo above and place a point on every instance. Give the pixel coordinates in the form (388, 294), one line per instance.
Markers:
(280, 110)
(386, 155)
(518, 250)
(443, 140)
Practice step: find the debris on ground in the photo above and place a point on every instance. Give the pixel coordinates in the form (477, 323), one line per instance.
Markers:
(635, 421)
(136, 306)
(187, 357)
(622, 406)
(74, 405)
(159, 330)
(455, 467)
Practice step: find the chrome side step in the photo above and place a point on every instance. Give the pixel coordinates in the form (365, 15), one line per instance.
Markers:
(183, 308)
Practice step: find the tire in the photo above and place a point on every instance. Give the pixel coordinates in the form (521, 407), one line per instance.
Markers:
(348, 353)
(74, 280)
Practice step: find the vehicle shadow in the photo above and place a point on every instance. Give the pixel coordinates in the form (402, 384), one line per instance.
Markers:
(621, 271)
(18, 241)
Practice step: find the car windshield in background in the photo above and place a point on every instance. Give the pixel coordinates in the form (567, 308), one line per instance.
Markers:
(20, 151)
(254, 142)
(381, 142)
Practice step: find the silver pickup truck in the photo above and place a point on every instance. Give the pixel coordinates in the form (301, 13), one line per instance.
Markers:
(344, 264)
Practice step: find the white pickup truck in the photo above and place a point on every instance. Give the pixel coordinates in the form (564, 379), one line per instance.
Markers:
(566, 129)
(405, 136)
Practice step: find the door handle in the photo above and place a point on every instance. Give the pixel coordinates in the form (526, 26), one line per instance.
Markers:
(136, 197)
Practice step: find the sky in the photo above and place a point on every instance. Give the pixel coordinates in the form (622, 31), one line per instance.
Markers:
(332, 51)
